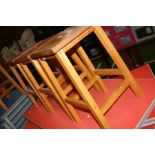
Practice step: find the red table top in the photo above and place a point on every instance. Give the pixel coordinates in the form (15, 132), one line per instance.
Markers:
(124, 114)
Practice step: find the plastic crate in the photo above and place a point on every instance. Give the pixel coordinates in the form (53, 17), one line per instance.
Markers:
(13, 118)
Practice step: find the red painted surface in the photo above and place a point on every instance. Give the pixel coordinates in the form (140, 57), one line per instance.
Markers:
(143, 72)
(125, 113)
(149, 127)
(152, 114)
(31, 125)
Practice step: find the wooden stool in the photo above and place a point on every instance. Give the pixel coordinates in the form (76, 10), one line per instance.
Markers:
(22, 62)
(70, 39)
(53, 88)
(22, 69)
(56, 83)
(55, 80)
(7, 86)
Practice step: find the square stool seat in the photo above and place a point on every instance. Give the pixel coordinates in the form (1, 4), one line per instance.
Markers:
(60, 40)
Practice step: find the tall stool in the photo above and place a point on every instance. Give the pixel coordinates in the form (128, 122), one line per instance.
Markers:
(70, 39)
(61, 84)
(20, 69)
(7, 86)
(22, 63)
(56, 82)
(56, 87)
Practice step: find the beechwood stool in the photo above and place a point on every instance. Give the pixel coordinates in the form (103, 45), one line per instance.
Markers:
(64, 48)
(56, 80)
(29, 83)
(22, 62)
(56, 83)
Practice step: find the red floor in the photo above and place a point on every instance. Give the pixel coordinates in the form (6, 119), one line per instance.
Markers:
(31, 125)
(143, 72)
(125, 113)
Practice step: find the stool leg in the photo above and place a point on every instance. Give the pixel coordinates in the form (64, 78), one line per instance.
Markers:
(49, 84)
(107, 104)
(36, 87)
(3, 105)
(11, 79)
(90, 67)
(78, 61)
(58, 88)
(117, 59)
(13, 69)
(69, 69)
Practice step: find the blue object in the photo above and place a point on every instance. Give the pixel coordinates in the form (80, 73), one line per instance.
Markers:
(17, 105)
(14, 95)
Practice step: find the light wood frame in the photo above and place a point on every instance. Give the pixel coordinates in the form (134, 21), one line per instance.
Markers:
(122, 69)
(86, 101)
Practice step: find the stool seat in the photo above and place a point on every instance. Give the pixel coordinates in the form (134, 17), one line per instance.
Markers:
(59, 41)
(50, 45)
(24, 56)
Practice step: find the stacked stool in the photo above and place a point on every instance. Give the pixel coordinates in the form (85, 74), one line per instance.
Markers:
(21, 63)
(65, 48)
(29, 83)
(52, 87)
